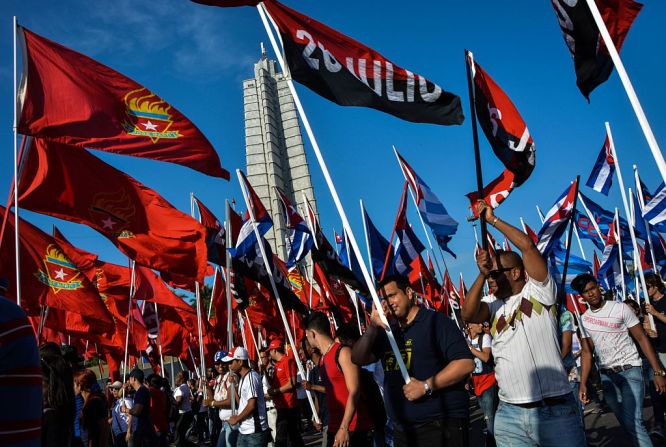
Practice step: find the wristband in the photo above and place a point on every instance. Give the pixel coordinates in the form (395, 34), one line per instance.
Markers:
(494, 222)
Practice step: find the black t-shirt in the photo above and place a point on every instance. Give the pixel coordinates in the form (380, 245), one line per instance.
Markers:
(427, 345)
(94, 411)
(144, 424)
(660, 341)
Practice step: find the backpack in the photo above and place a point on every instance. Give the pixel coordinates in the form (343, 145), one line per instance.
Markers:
(369, 392)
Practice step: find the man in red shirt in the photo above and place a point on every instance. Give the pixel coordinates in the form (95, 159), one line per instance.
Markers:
(349, 423)
(283, 393)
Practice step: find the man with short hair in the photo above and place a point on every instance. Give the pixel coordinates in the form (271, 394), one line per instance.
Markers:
(143, 434)
(183, 397)
(537, 405)
(433, 408)
(610, 326)
(283, 393)
(349, 423)
(655, 290)
(251, 405)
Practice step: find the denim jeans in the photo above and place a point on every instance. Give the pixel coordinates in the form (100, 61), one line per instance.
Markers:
(550, 425)
(488, 402)
(228, 436)
(623, 392)
(253, 440)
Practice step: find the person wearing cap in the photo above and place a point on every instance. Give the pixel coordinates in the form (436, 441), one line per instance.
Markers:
(143, 433)
(221, 401)
(120, 421)
(283, 393)
(251, 415)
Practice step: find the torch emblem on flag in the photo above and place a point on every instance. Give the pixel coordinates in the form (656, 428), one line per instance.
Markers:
(60, 273)
(113, 213)
(148, 116)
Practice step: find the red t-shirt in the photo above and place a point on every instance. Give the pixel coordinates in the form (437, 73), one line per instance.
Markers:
(158, 410)
(284, 370)
(337, 395)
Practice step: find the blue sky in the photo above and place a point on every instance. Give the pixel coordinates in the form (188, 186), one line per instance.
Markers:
(196, 58)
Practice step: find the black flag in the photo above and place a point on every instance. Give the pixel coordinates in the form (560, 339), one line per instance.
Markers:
(351, 74)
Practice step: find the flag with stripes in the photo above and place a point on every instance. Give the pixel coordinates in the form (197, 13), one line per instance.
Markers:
(408, 247)
(246, 238)
(655, 210)
(300, 237)
(430, 207)
(601, 176)
(556, 220)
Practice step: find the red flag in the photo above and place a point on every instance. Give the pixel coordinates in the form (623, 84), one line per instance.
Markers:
(423, 281)
(76, 186)
(596, 265)
(150, 287)
(336, 292)
(462, 290)
(531, 233)
(48, 276)
(576, 303)
(215, 234)
(71, 98)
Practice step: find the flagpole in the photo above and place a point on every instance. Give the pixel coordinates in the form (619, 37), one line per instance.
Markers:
(416, 205)
(395, 223)
(227, 224)
(197, 295)
(159, 339)
(469, 60)
(367, 241)
(16, 163)
(334, 194)
(314, 241)
(629, 88)
(129, 320)
(563, 293)
(630, 219)
(352, 293)
(212, 294)
(269, 272)
(641, 204)
(618, 230)
(580, 244)
(254, 340)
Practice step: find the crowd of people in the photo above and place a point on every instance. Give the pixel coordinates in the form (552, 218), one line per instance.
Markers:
(531, 365)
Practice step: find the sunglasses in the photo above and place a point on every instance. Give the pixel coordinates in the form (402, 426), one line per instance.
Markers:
(494, 274)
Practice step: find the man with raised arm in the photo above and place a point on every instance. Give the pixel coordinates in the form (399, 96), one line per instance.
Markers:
(537, 406)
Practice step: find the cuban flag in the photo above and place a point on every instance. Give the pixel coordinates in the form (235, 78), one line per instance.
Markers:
(346, 253)
(432, 211)
(604, 220)
(408, 247)
(601, 176)
(610, 271)
(556, 220)
(575, 266)
(379, 248)
(300, 236)
(655, 210)
(247, 240)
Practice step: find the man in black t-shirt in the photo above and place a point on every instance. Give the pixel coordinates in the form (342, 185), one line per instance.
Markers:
(655, 290)
(433, 408)
(144, 435)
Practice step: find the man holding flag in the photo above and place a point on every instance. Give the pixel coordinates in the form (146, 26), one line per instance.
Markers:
(537, 406)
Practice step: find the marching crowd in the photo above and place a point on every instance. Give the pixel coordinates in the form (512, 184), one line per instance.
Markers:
(531, 364)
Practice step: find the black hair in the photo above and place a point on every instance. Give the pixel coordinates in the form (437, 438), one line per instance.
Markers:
(509, 256)
(402, 282)
(57, 379)
(580, 281)
(318, 322)
(652, 279)
(137, 374)
(348, 333)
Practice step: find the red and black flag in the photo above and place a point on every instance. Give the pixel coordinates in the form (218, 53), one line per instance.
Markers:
(350, 74)
(215, 234)
(507, 134)
(74, 185)
(592, 61)
(71, 98)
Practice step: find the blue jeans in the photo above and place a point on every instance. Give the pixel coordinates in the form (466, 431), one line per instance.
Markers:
(228, 436)
(551, 425)
(253, 440)
(623, 392)
(488, 402)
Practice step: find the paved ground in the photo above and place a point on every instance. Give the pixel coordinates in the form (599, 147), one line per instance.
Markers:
(601, 428)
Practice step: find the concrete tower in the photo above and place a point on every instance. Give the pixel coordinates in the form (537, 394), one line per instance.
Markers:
(274, 152)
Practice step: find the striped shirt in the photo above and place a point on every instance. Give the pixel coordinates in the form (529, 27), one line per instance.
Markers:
(20, 379)
(526, 347)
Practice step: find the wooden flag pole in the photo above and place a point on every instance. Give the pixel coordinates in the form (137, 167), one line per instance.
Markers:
(629, 88)
(269, 272)
(469, 61)
(336, 199)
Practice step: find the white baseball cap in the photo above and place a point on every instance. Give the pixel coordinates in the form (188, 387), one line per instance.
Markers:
(236, 353)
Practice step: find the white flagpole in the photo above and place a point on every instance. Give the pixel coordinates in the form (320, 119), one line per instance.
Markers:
(580, 244)
(629, 88)
(630, 219)
(425, 230)
(352, 293)
(16, 177)
(230, 338)
(269, 272)
(592, 219)
(367, 241)
(641, 204)
(618, 231)
(334, 194)
(212, 294)
(199, 304)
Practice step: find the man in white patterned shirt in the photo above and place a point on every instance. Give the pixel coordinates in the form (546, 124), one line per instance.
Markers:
(537, 406)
